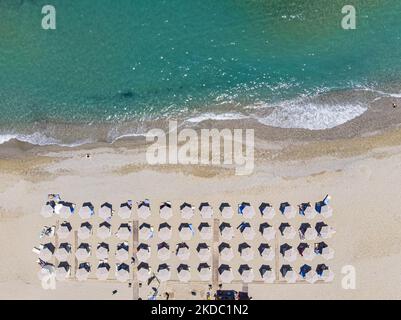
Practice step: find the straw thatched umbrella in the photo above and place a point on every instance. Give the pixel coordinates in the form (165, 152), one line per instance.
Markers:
(225, 273)
(205, 231)
(63, 252)
(183, 273)
(83, 271)
(48, 209)
(64, 209)
(307, 232)
(204, 253)
(165, 231)
(246, 210)
(226, 231)
(324, 273)
(183, 251)
(85, 231)
(287, 231)
(46, 272)
(64, 230)
(206, 211)
(245, 251)
(306, 251)
(267, 211)
(163, 251)
(104, 230)
(226, 253)
(163, 272)
(308, 274)
(226, 210)
(125, 210)
(306, 210)
(145, 231)
(122, 272)
(187, 211)
(102, 271)
(266, 252)
(288, 273)
(287, 210)
(267, 274)
(288, 252)
(122, 252)
(106, 211)
(186, 231)
(102, 251)
(83, 252)
(86, 211)
(143, 272)
(63, 271)
(47, 251)
(166, 212)
(246, 273)
(267, 231)
(143, 252)
(144, 209)
(124, 231)
(205, 272)
(324, 250)
(246, 230)
(324, 231)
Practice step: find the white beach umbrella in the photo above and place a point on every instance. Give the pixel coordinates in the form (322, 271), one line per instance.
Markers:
(125, 210)
(106, 211)
(183, 273)
(47, 251)
(326, 211)
(83, 272)
(104, 230)
(122, 272)
(63, 271)
(267, 274)
(102, 271)
(267, 231)
(288, 274)
(46, 272)
(205, 231)
(247, 231)
(266, 252)
(85, 231)
(204, 253)
(163, 273)
(163, 251)
(246, 210)
(145, 231)
(166, 212)
(324, 231)
(308, 274)
(185, 231)
(144, 210)
(86, 211)
(63, 252)
(143, 252)
(83, 252)
(307, 232)
(102, 251)
(324, 273)
(206, 211)
(306, 251)
(226, 210)
(183, 251)
(225, 273)
(165, 231)
(306, 210)
(246, 273)
(288, 252)
(226, 252)
(226, 231)
(267, 211)
(143, 273)
(328, 253)
(204, 272)
(245, 251)
(48, 209)
(287, 231)
(187, 211)
(124, 231)
(122, 252)
(64, 209)
(287, 210)
(64, 230)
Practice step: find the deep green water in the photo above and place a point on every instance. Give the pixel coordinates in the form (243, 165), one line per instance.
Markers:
(132, 60)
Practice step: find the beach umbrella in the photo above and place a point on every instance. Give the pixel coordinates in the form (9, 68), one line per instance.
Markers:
(226, 231)
(102, 271)
(245, 251)
(267, 231)
(287, 231)
(143, 272)
(246, 210)
(226, 253)
(246, 230)
(267, 274)
(323, 208)
(324, 273)
(144, 209)
(306, 251)
(324, 250)
(205, 231)
(64, 209)
(205, 272)
(226, 275)
(266, 252)
(145, 231)
(307, 232)
(86, 211)
(163, 272)
(64, 230)
(206, 211)
(47, 251)
(125, 210)
(267, 211)
(287, 210)
(83, 252)
(102, 251)
(106, 211)
(124, 231)
(187, 211)
(63, 271)
(122, 252)
(122, 272)
(166, 212)
(163, 251)
(85, 231)
(183, 251)
(83, 272)
(246, 273)
(46, 272)
(324, 231)
(203, 252)
(183, 272)
(308, 274)
(165, 231)
(104, 230)
(306, 210)
(288, 274)
(288, 252)
(143, 252)
(48, 209)
(186, 231)
(63, 251)
(226, 210)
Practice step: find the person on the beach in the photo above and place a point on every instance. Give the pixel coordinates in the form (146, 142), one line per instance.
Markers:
(394, 105)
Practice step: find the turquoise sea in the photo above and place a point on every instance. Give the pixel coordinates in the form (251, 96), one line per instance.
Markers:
(122, 64)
